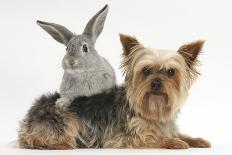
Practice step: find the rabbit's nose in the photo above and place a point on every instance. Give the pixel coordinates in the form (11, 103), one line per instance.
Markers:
(72, 62)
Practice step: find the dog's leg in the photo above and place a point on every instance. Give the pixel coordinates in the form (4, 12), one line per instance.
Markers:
(195, 142)
(173, 143)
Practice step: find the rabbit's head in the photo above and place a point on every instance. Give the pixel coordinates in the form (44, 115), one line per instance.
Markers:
(80, 51)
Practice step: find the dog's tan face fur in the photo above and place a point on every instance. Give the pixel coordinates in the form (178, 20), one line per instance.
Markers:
(158, 81)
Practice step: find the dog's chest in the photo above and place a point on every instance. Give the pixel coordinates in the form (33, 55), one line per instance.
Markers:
(151, 128)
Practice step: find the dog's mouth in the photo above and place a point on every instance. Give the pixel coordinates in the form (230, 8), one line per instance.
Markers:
(158, 93)
(159, 97)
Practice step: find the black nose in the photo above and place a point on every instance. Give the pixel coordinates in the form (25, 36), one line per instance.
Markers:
(156, 84)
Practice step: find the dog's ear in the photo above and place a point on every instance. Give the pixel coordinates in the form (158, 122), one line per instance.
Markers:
(128, 43)
(191, 51)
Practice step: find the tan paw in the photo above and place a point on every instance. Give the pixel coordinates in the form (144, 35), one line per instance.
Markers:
(199, 143)
(175, 144)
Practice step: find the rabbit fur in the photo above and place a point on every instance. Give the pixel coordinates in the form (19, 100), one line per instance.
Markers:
(85, 71)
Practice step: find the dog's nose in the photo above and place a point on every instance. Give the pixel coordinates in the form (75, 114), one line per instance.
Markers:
(156, 84)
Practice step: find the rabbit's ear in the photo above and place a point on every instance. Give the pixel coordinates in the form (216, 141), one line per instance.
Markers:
(96, 23)
(58, 32)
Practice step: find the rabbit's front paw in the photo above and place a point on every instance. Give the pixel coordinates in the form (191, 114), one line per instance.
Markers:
(63, 102)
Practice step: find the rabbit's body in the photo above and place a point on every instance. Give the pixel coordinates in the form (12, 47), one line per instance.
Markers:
(85, 71)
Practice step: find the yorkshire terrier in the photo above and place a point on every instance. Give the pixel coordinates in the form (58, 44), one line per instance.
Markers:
(139, 114)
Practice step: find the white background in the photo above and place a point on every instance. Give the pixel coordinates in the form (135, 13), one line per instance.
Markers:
(30, 60)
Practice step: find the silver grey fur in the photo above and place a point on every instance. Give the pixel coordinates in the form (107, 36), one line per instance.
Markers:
(85, 73)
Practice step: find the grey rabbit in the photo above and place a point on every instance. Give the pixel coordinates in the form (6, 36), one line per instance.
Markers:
(85, 71)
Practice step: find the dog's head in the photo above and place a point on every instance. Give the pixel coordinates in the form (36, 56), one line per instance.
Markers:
(157, 81)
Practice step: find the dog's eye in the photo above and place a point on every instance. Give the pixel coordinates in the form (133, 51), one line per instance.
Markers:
(170, 72)
(85, 48)
(146, 71)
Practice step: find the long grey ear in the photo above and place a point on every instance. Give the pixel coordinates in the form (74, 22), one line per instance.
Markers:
(94, 27)
(58, 32)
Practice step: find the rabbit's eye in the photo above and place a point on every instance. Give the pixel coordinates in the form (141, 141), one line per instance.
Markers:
(85, 48)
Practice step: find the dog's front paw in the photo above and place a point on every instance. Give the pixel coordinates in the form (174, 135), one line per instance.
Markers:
(199, 143)
(63, 102)
(174, 143)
